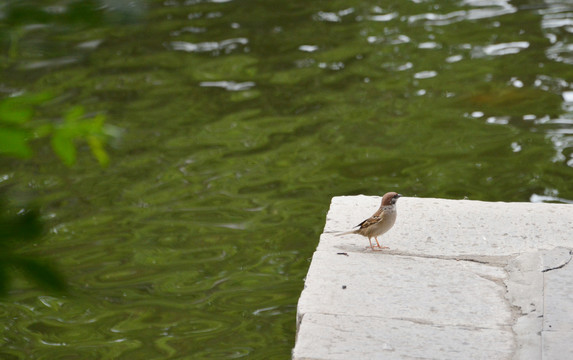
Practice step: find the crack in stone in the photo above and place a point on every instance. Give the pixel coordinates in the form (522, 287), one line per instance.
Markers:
(497, 261)
(516, 313)
(560, 266)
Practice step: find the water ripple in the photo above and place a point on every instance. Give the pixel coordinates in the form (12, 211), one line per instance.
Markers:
(243, 122)
(229, 85)
(500, 49)
(225, 46)
(484, 10)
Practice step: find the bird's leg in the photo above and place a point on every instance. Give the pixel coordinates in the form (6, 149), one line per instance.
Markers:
(372, 247)
(377, 243)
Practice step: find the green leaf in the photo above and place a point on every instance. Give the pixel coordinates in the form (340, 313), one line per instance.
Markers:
(14, 142)
(19, 109)
(35, 99)
(24, 226)
(64, 147)
(98, 150)
(14, 115)
(74, 114)
(41, 272)
(99, 121)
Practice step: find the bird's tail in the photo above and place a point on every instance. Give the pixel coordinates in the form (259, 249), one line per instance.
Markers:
(346, 233)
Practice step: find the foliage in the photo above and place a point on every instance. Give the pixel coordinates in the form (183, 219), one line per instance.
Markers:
(22, 225)
(16, 230)
(17, 130)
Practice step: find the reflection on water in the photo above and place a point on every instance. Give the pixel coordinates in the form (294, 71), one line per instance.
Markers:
(242, 120)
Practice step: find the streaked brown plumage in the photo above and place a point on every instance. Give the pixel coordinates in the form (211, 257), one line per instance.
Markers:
(380, 222)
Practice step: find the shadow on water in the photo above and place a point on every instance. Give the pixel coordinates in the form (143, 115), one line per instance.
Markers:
(241, 120)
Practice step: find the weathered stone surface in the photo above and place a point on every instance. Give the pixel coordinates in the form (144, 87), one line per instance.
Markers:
(557, 345)
(525, 292)
(342, 337)
(432, 291)
(558, 294)
(463, 279)
(454, 227)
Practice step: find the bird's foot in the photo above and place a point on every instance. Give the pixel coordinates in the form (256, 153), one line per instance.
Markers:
(378, 244)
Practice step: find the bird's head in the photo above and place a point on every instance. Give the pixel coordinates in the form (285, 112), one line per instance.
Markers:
(390, 198)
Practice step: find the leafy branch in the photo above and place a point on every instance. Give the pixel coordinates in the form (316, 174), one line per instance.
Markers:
(22, 225)
(17, 130)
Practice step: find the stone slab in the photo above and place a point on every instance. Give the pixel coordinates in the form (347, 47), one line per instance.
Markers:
(463, 279)
(431, 291)
(525, 293)
(345, 337)
(439, 227)
(557, 345)
(558, 295)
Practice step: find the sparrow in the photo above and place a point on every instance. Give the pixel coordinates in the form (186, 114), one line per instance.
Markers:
(380, 222)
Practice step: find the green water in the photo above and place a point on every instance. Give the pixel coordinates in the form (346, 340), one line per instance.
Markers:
(241, 120)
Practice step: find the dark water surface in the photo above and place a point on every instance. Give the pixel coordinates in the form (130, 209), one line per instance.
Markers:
(241, 120)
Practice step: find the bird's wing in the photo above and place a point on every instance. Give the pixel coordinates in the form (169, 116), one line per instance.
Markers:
(374, 219)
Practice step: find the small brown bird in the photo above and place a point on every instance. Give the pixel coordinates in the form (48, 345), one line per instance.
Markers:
(377, 224)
